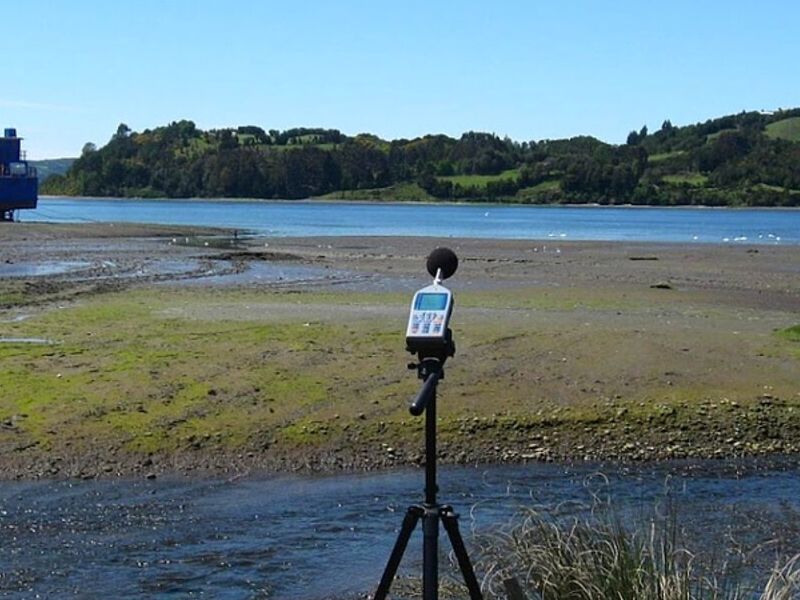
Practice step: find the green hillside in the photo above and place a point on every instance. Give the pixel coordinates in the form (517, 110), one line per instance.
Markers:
(747, 159)
(52, 166)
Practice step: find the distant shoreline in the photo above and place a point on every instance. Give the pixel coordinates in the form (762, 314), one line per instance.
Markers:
(425, 202)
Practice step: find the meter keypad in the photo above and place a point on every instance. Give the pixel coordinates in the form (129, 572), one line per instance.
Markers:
(427, 322)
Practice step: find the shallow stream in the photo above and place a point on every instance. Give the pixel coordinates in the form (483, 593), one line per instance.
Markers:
(314, 538)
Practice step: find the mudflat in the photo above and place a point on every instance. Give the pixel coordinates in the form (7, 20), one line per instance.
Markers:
(138, 350)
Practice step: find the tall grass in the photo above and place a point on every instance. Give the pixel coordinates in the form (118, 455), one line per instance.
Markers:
(596, 556)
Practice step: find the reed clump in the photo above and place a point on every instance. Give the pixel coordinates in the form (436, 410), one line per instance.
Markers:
(597, 556)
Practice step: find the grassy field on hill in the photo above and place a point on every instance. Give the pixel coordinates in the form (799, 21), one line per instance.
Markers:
(480, 180)
(401, 192)
(694, 179)
(787, 129)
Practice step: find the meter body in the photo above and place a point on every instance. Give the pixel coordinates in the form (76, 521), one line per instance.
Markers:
(428, 321)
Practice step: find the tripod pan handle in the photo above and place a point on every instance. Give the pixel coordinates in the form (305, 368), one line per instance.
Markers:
(425, 394)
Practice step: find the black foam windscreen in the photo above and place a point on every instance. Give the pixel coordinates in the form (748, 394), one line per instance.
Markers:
(444, 259)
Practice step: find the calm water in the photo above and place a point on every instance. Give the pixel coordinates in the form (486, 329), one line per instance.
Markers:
(686, 225)
(303, 538)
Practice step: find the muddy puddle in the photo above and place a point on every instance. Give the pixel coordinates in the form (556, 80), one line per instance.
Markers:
(225, 273)
(25, 340)
(41, 269)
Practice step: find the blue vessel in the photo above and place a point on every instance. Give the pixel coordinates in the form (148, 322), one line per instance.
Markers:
(19, 185)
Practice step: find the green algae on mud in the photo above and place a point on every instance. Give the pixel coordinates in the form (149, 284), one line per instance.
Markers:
(317, 379)
(791, 333)
(123, 371)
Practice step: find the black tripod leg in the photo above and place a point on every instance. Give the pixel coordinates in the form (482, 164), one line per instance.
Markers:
(450, 521)
(413, 515)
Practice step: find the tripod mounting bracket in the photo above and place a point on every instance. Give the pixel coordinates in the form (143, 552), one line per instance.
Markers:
(440, 349)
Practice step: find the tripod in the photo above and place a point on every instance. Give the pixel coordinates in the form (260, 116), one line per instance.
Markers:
(430, 370)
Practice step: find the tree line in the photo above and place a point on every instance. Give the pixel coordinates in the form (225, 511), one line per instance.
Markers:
(730, 160)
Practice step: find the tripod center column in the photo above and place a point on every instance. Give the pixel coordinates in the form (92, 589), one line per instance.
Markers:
(431, 487)
(430, 553)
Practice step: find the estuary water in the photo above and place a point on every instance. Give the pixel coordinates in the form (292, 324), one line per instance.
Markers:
(315, 538)
(493, 221)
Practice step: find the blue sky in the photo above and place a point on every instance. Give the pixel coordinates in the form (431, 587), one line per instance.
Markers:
(73, 70)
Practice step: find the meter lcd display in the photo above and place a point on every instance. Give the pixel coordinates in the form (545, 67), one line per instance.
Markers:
(431, 302)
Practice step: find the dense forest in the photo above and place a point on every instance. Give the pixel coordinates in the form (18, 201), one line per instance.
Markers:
(752, 158)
